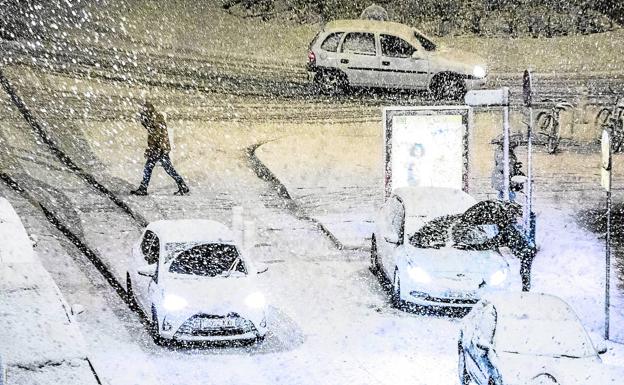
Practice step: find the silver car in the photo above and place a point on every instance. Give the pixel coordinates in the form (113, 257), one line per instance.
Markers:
(370, 53)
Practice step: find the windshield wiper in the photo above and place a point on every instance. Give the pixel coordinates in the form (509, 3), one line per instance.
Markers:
(232, 267)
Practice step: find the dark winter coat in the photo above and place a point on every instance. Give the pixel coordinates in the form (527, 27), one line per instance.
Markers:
(157, 134)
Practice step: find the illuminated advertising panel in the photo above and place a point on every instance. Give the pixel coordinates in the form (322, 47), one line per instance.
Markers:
(426, 146)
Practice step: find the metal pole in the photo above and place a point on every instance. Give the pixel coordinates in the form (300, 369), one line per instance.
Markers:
(528, 209)
(506, 144)
(608, 263)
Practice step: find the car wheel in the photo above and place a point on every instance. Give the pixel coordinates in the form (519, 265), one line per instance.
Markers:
(331, 82)
(464, 377)
(374, 262)
(448, 86)
(396, 290)
(130, 294)
(155, 330)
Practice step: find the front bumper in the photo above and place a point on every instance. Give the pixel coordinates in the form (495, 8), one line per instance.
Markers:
(475, 83)
(194, 328)
(447, 292)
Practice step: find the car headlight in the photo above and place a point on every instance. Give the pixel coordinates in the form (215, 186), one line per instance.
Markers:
(174, 302)
(498, 277)
(418, 274)
(479, 72)
(255, 300)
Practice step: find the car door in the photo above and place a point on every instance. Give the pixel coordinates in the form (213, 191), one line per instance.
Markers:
(358, 58)
(478, 362)
(328, 55)
(148, 254)
(402, 64)
(391, 230)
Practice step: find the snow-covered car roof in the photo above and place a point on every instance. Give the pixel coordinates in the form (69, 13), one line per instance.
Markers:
(191, 230)
(374, 26)
(431, 202)
(530, 305)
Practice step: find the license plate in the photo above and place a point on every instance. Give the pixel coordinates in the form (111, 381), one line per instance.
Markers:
(216, 323)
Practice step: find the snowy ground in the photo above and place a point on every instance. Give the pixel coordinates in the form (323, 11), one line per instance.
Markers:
(331, 322)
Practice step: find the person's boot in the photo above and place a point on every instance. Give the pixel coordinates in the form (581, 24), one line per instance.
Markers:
(141, 191)
(182, 190)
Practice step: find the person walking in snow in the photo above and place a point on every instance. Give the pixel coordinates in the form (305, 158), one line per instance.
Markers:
(158, 148)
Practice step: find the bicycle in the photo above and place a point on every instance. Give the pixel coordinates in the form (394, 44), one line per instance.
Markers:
(548, 124)
(612, 120)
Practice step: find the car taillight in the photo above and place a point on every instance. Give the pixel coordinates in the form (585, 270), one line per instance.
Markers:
(311, 57)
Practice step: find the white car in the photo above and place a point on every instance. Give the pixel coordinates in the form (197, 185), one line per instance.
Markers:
(529, 338)
(434, 272)
(195, 283)
(371, 53)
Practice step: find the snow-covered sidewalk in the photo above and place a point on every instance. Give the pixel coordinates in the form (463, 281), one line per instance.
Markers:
(343, 195)
(41, 343)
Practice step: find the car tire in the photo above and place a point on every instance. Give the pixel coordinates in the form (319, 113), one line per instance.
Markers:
(464, 377)
(374, 262)
(132, 302)
(331, 82)
(447, 86)
(155, 329)
(396, 290)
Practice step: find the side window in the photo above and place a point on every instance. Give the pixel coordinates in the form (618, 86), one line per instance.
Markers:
(359, 44)
(150, 246)
(393, 46)
(398, 215)
(331, 42)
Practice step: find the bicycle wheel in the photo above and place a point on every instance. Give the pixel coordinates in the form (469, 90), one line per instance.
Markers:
(602, 119)
(545, 124)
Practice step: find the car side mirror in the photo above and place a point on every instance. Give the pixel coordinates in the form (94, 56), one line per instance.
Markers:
(485, 348)
(392, 238)
(599, 343)
(77, 309)
(147, 271)
(416, 55)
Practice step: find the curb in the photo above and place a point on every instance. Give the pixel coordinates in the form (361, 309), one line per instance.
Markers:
(264, 173)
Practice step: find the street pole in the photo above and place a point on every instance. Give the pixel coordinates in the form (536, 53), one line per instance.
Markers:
(529, 219)
(506, 171)
(606, 183)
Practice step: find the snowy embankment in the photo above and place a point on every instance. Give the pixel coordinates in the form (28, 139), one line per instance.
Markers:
(40, 342)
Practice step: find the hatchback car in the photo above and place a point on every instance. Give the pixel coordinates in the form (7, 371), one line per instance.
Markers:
(529, 338)
(427, 269)
(370, 53)
(195, 283)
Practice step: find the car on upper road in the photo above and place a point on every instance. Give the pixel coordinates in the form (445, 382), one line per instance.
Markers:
(371, 53)
(429, 267)
(529, 338)
(195, 283)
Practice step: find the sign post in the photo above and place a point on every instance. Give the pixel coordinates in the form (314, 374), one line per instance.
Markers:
(527, 93)
(606, 184)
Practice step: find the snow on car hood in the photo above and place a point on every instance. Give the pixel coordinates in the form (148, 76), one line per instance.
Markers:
(521, 369)
(216, 295)
(449, 259)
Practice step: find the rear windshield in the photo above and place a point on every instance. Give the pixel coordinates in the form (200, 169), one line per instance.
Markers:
(427, 44)
(209, 260)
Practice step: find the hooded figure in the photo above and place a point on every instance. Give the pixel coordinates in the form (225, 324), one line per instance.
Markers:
(491, 214)
(158, 148)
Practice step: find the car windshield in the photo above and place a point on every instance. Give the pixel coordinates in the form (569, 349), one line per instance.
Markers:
(427, 44)
(453, 231)
(208, 260)
(542, 337)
